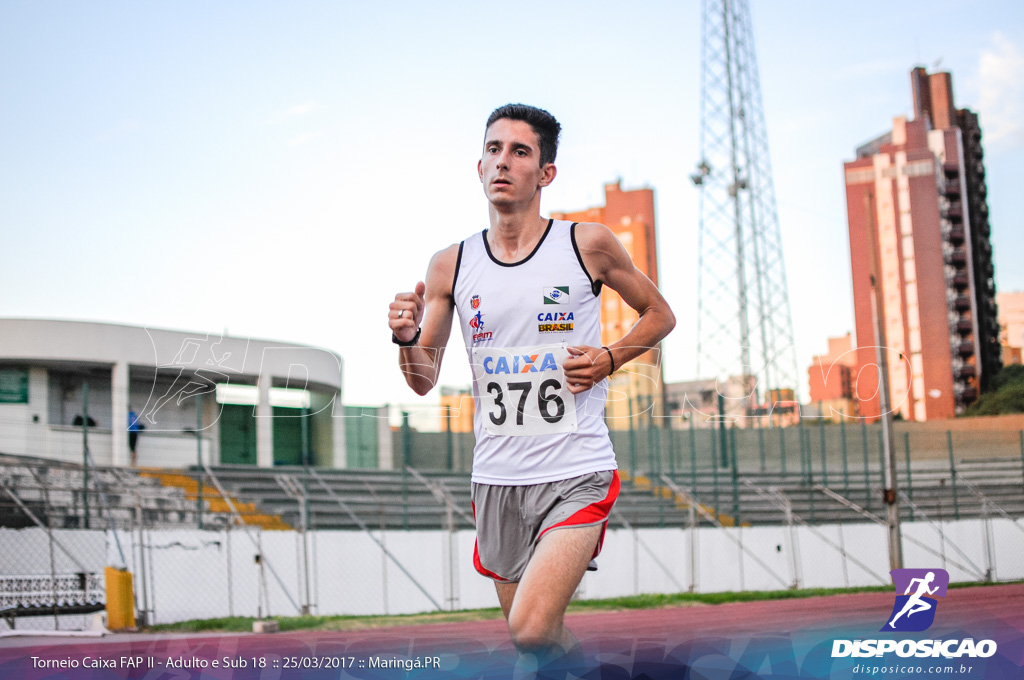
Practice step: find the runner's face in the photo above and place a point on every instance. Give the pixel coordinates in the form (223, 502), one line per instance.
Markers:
(510, 168)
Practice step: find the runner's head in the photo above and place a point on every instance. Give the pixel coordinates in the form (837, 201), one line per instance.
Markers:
(543, 123)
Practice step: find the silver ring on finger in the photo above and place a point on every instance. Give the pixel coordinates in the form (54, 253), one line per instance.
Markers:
(400, 313)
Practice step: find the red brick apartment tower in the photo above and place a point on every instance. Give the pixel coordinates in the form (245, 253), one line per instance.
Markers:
(630, 214)
(917, 215)
(831, 377)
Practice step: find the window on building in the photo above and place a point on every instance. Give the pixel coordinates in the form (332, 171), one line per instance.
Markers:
(13, 385)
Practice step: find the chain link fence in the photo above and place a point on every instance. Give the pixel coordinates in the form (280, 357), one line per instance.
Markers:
(703, 508)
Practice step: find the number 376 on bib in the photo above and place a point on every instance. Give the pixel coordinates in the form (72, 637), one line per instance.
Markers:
(522, 390)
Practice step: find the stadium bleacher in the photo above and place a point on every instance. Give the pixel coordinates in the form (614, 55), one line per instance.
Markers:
(292, 497)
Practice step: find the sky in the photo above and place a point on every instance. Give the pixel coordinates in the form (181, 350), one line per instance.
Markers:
(281, 170)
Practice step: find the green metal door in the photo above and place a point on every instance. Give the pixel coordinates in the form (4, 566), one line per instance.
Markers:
(287, 425)
(361, 436)
(237, 435)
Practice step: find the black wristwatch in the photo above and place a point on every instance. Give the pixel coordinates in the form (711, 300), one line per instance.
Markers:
(412, 342)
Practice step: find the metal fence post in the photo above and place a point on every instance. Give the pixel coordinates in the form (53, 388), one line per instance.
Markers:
(881, 457)
(986, 522)
(782, 449)
(653, 444)
(810, 473)
(714, 468)
(199, 461)
(693, 546)
(406, 462)
(1022, 455)
(735, 488)
(632, 442)
(654, 449)
(793, 548)
(231, 586)
(693, 456)
(952, 472)
(867, 472)
(671, 450)
(722, 433)
(910, 485)
(760, 443)
(824, 462)
(842, 440)
(803, 457)
(714, 443)
(307, 457)
(85, 452)
(449, 442)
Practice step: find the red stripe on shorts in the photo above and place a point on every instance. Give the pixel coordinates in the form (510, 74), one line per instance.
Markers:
(593, 513)
(476, 557)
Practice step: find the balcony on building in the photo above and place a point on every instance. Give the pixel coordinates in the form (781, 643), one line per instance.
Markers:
(965, 372)
(955, 211)
(965, 349)
(957, 257)
(953, 188)
(956, 235)
(962, 304)
(964, 327)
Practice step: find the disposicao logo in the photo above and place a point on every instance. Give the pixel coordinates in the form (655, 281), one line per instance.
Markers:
(914, 611)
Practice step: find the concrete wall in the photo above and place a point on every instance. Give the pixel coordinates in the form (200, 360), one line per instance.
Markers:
(193, 574)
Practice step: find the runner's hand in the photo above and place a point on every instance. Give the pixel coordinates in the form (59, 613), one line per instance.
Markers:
(586, 367)
(410, 307)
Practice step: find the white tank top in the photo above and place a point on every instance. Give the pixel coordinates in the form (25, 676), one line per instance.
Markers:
(516, 321)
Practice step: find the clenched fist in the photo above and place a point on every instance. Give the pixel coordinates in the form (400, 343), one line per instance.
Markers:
(406, 313)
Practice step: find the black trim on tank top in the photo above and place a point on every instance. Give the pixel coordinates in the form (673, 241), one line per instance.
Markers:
(595, 286)
(455, 279)
(495, 260)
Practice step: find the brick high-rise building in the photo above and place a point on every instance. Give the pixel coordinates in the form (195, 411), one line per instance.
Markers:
(831, 377)
(630, 214)
(1011, 325)
(918, 218)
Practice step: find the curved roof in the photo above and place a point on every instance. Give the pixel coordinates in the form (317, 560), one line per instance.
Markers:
(51, 341)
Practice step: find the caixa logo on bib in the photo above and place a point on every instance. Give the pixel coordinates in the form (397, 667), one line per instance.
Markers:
(915, 608)
(525, 363)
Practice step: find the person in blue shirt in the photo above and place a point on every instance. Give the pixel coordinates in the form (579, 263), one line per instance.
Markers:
(134, 427)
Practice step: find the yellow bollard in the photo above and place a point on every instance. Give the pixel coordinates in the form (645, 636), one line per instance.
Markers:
(120, 600)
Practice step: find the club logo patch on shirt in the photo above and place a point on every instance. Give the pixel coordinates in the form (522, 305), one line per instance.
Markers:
(474, 302)
(556, 295)
(476, 322)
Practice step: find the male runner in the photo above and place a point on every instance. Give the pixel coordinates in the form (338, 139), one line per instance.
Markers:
(527, 292)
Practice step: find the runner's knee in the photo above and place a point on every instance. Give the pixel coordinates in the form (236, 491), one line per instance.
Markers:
(531, 632)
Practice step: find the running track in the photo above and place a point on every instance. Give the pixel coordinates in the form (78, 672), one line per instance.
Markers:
(636, 643)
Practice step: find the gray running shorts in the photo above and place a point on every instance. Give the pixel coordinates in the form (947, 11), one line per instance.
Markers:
(510, 520)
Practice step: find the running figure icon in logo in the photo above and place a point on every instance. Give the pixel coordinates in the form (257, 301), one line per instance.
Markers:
(923, 582)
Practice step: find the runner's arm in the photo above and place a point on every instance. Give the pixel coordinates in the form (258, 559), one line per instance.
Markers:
(430, 307)
(608, 262)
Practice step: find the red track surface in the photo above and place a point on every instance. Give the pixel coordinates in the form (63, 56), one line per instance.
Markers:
(990, 608)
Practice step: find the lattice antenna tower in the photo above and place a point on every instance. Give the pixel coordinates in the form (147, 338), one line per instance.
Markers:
(744, 323)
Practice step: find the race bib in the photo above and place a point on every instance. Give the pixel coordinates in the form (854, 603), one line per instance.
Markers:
(523, 390)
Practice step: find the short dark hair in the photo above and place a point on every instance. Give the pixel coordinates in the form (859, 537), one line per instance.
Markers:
(543, 123)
